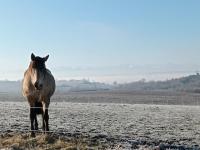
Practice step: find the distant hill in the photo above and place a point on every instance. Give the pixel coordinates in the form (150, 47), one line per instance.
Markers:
(10, 87)
(186, 84)
(61, 86)
(80, 85)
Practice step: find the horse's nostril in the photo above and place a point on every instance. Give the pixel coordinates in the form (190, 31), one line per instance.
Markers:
(40, 86)
(36, 85)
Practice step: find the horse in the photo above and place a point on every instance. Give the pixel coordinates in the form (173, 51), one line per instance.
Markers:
(38, 85)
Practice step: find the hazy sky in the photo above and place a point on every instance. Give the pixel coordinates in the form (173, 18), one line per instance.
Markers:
(103, 40)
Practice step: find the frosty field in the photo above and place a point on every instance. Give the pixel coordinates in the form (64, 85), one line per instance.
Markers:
(129, 125)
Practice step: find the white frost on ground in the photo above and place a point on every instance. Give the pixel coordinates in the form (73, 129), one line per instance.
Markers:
(180, 124)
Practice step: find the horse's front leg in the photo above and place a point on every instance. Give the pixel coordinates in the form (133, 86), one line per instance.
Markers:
(36, 122)
(32, 118)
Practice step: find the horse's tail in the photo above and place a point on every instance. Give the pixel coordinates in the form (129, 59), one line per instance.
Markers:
(38, 109)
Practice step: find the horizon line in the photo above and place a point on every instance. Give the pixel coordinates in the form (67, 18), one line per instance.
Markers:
(114, 81)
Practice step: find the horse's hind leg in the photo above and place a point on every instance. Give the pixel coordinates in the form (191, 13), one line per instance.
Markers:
(45, 117)
(43, 121)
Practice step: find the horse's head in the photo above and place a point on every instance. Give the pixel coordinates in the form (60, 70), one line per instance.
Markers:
(38, 70)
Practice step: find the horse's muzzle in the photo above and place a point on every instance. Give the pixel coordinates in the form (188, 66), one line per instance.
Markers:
(38, 86)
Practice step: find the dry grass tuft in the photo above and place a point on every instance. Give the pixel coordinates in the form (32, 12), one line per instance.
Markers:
(41, 141)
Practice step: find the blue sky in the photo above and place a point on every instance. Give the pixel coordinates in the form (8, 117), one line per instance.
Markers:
(102, 40)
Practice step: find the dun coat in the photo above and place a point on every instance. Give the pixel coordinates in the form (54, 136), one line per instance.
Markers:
(37, 87)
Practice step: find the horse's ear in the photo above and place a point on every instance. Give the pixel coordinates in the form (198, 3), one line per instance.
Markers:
(32, 57)
(46, 58)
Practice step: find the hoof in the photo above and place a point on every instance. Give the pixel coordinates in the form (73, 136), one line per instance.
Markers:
(36, 127)
(32, 135)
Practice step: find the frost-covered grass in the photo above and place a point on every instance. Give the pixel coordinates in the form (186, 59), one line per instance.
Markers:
(173, 124)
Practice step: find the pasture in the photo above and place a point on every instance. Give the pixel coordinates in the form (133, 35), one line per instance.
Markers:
(109, 120)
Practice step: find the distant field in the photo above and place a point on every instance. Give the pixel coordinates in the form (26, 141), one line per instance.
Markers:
(127, 97)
